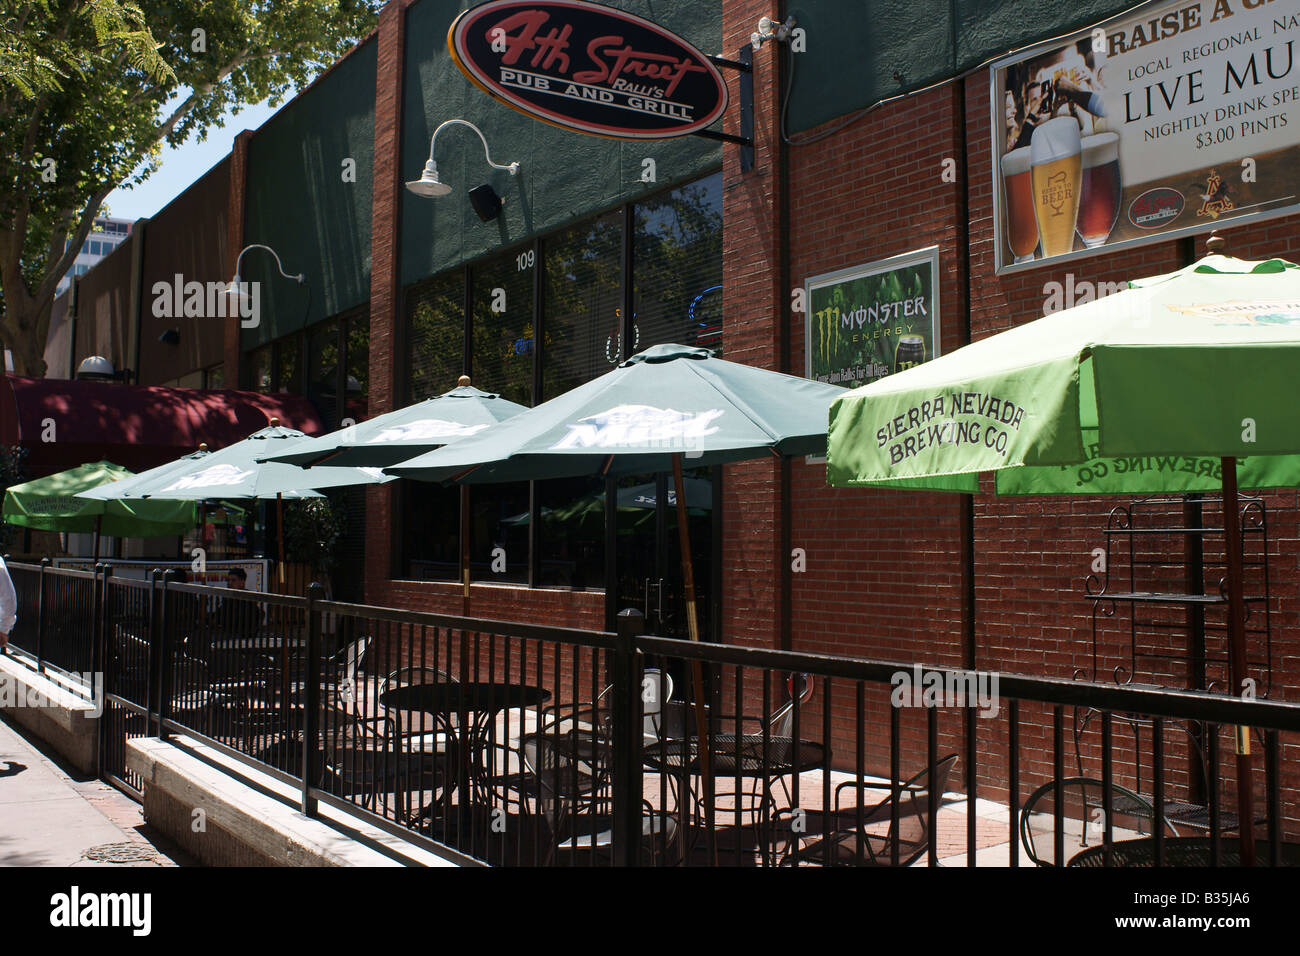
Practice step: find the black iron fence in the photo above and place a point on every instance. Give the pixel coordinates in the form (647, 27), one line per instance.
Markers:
(517, 744)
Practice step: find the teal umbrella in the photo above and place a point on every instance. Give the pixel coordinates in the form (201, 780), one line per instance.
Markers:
(667, 403)
(113, 490)
(662, 406)
(398, 435)
(238, 472)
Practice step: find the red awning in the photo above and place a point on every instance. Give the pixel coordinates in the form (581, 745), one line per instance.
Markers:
(66, 423)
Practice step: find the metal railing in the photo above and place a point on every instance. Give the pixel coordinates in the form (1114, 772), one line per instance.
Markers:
(519, 744)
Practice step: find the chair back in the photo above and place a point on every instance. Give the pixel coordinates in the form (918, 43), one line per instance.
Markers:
(914, 800)
(572, 771)
(656, 689)
(349, 661)
(800, 688)
(1081, 801)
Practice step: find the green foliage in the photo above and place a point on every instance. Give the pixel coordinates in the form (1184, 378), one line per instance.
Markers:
(89, 92)
(312, 529)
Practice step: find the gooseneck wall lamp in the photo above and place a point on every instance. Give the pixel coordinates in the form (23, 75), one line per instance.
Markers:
(429, 185)
(233, 288)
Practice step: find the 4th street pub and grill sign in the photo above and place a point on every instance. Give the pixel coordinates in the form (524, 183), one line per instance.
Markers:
(588, 67)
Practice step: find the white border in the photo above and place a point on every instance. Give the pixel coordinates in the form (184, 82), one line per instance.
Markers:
(928, 254)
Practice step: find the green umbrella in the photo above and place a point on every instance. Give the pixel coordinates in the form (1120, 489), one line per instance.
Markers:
(661, 406)
(52, 503)
(402, 434)
(1183, 382)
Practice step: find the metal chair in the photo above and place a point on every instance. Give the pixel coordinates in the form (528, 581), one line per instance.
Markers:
(841, 841)
(574, 801)
(365, 757)
(1082, 807)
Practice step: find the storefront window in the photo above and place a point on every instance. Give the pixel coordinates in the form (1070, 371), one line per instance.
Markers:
(356, 384)
(289, 377)
(503, 325)
(435, 336)
(677, 266)
(259, 369)
(323, 371)
(676, 281)
(584, 295)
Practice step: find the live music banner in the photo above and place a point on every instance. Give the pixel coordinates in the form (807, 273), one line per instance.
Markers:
(1163, 123)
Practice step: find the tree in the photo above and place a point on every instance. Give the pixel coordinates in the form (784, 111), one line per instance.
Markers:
(90, 90)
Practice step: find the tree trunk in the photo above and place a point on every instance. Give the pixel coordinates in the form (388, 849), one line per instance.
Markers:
(23, 331)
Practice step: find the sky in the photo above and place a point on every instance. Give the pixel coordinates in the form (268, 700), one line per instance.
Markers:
(183, 165)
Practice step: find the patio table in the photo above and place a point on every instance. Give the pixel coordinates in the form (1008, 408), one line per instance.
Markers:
(758, 757)
(480, 702)
(1182, 851)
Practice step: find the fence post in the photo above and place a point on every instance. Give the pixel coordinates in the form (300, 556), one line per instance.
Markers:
(40, 619)
(627, 738)
(154, 695)
(100, 657)
(311, 720)
(165, 653)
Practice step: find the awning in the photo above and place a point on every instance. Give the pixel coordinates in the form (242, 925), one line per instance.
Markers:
(64, 423)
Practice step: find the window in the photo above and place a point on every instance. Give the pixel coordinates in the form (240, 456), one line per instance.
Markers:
(323, 371)
(435, 336)
(259, 370)
(677, 266)
(503, 325)
(583, 304)
(574, 334)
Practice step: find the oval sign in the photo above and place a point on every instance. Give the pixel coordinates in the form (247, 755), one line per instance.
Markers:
(1156, 208)
(588, 67)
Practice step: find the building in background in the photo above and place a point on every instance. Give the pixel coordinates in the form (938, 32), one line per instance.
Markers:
(105, 236)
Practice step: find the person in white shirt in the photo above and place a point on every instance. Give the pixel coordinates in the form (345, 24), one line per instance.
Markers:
(8, 607)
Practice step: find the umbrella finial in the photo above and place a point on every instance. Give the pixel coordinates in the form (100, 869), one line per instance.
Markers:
(275, 423)
(1216, 245)
(203, 446)
(463, 381)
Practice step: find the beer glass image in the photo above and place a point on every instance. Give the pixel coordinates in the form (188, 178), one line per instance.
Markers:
(909, 351)
(1056, 169)
(1099, 196)
(1022, 229)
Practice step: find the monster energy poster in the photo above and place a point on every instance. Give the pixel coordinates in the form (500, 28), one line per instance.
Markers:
(869, 321)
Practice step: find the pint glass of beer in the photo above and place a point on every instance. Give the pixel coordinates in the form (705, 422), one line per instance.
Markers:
(1099, 195)
(1056, 171)
(1022, 230)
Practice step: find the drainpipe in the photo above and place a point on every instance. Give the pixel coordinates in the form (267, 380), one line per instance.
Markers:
(785, 638)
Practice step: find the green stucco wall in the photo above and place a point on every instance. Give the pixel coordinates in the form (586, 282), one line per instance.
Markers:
(298, 203)
(565, 175)
(855, 47)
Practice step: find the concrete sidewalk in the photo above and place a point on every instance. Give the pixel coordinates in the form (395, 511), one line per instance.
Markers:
(49, 818)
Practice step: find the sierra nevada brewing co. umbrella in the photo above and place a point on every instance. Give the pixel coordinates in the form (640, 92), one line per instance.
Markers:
(1199, 363)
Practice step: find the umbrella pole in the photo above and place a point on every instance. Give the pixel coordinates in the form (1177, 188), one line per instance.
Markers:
(697, 669)
(94, 556)
(464, 541)
(1237, 655)
(279, 535)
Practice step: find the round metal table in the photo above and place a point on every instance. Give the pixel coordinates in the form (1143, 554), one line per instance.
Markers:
(1182, 851)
